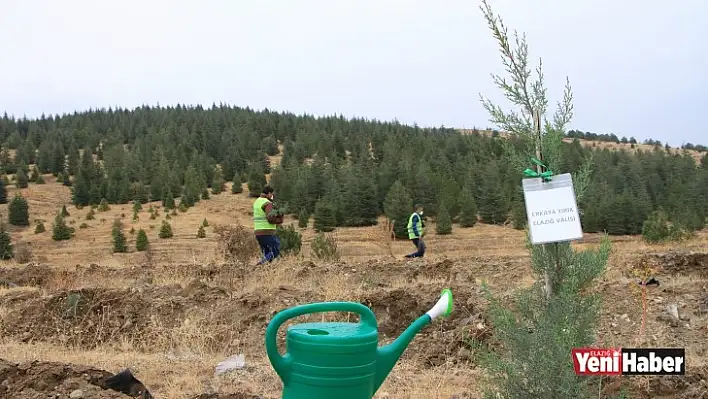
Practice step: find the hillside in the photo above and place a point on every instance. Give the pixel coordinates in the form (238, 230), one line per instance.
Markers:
(172, 313)
(92, 242)
(350, 165)
(73, 311)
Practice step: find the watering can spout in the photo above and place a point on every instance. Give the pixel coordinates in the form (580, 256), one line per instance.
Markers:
(388, 355)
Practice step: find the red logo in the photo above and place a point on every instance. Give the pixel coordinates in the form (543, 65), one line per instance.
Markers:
(629, 361)
(597, 361)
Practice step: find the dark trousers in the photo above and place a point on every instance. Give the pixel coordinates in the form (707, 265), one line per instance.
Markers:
(420, 248)
(270, 247)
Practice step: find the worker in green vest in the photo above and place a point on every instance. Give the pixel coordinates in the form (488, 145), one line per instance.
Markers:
(265, 219)
(416, 232)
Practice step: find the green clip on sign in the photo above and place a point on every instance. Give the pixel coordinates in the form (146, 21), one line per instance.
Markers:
(545, 176)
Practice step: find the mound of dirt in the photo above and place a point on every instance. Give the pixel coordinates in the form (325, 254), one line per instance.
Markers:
(680, 262)
(30, 275)
(36, 380)
(447, 340)
(93, 316)
(690, 386)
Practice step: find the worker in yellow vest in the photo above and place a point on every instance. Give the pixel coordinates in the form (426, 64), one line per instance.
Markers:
(265, 220)
(416, 232)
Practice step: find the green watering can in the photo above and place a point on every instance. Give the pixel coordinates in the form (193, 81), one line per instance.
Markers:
(339, 360)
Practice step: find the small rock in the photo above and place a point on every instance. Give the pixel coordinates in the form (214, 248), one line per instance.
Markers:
(672, 309)
(76, 394)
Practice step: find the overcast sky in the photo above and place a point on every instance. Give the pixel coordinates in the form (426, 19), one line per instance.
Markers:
(638, 68)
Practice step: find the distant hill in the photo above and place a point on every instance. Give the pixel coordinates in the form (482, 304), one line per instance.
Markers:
(613, 142)
(344, 172)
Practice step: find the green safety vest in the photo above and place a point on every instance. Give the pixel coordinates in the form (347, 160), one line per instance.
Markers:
(260, 221)
(419, 226)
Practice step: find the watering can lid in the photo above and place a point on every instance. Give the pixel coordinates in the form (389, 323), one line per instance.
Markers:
(333, 331)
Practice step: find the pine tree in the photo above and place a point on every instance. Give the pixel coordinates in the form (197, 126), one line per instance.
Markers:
(33, 175)
(618, 214)
(168, 201)
(80, 194)
(256, 182)
(217, 183)
(18, 211)
(73, 159)
(423, 189)
(66, 178)
(141, 241)
(3, 193)
(165, 230)
(200, 232)
(103, 206)
(140, 192)
(120, 244)
(443, 223)
(60, 231)
(302, 219)
(270, 146)
(398, 206)
(7, 250)
(518, 213)
(21, 180)
(39, 228)
(468, 207)
(137, 206)
(656, 228)
(558, 312)
(237, 186)
(358, 203)
(192, 188)
(64, 211)
(325, 220)
(493, 207)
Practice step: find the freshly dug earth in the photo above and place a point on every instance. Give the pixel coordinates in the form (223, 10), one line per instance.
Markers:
(228, 306)
(93, 317)
(41, 380)
(36, 380)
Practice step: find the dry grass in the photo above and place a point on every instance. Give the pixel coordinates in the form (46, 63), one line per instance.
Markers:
(195, 314)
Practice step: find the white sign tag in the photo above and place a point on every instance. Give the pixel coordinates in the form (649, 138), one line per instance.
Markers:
(551, 209)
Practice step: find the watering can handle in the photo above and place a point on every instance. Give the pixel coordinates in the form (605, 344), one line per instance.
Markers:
(281, 364)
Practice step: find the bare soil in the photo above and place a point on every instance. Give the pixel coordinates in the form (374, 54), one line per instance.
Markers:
(225, 308)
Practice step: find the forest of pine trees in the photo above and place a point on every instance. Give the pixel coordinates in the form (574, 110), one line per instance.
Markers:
(349, 166)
